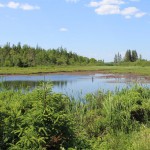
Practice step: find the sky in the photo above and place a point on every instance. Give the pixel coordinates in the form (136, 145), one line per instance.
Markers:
(92, 28)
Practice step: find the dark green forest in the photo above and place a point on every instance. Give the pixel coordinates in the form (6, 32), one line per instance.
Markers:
(27, 56)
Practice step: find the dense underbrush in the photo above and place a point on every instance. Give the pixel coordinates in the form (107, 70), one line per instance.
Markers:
(41, 119)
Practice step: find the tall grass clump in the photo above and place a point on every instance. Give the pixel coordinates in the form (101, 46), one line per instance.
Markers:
(41, 119)
(114, 120)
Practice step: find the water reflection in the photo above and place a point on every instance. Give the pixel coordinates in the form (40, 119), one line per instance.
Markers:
(19, 84)
(73, 85)
(60, 84)
(29, 84)
(125, 78)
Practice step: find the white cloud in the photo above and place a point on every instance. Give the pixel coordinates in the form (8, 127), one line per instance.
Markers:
(108, 9)
(13, 5)
(63, 29)
(94, 4)
(17, 5)
(112, 7)
(111, 2)
(106, 2)
(129, 11)
(140, 14)
(28, 7)
(132, 11)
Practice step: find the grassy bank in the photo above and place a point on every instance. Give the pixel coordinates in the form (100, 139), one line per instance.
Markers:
(137, 70)
(45, 120)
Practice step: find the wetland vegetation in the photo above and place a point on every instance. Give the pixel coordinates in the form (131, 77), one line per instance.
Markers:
(135, 70)
(42, 119)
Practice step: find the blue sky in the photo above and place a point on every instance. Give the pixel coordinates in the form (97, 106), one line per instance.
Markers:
(93, 28)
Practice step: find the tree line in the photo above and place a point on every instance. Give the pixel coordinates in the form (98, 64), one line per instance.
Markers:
(27, 56)
(130, 56)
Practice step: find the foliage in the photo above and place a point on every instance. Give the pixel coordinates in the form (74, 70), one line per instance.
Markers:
(27, 56)
(117, 58)
(128, 56)
(134, 56)
(131, 56)
(41, 119)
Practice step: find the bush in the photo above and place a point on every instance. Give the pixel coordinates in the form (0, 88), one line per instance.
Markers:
(39, 119)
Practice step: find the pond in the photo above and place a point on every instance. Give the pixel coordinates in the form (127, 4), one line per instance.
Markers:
(76, 85)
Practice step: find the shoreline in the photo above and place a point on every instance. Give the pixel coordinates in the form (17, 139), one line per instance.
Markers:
(78, 70)
(105, 74)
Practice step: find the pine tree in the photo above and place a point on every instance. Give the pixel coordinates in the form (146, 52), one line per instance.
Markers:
(128, 56)
(119, 57)
(115, 59)
(134, 56)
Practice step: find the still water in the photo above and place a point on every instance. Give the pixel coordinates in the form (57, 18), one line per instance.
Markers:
(74, 84)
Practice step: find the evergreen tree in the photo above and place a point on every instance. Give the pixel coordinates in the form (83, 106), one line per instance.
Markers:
(134, 56)
(128, 56)
(115, 59)
(119, 57)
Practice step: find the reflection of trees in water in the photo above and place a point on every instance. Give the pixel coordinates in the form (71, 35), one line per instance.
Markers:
(29, 85)
(60, 83)
(19, 84)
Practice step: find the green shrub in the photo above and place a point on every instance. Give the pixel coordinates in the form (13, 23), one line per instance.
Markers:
(38, 119)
